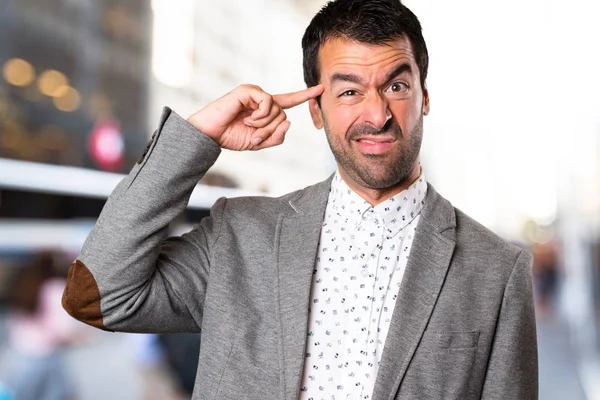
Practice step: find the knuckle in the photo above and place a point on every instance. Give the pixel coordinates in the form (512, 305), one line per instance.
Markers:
(268, 98)
(247, 87)
(281, 117)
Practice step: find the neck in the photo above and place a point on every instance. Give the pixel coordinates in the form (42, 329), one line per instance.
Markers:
(377, 196)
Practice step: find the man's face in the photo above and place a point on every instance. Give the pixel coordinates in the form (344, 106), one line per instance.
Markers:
(372, 110)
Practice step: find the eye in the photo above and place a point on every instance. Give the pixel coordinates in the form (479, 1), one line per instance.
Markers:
(397, 87)
(349, 93)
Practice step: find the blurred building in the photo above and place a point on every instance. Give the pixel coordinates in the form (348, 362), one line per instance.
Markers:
(74, 81)
(73, 90)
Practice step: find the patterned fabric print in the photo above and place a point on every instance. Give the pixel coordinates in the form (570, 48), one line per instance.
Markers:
(362, 254)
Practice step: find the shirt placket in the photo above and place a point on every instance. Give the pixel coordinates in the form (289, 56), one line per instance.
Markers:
(355, 316)
(339, 341)
(369, 239)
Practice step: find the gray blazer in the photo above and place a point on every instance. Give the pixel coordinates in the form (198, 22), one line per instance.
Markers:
(463, 326)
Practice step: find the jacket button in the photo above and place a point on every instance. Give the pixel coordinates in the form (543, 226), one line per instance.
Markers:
(145, 151)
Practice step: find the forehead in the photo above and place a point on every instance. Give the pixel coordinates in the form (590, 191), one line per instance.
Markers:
(339, 55)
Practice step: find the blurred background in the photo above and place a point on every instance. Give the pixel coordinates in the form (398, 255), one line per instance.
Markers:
(513, 139)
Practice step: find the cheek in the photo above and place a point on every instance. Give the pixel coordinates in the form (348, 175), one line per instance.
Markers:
(407, 113)
(339, 119)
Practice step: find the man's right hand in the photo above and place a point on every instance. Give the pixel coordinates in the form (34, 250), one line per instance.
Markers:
(248, 118)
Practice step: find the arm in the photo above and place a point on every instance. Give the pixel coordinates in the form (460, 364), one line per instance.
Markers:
(128, 277)
(513, 366)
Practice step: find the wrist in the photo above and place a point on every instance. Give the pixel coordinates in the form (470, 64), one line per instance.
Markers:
(197, 122)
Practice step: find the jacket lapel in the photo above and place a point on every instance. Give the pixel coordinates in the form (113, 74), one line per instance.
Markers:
(430, 257)
(298, 238)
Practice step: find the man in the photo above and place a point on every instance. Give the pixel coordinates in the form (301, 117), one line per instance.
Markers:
(369, 285)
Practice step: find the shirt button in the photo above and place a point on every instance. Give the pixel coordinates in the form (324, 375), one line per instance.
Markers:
(365, 272)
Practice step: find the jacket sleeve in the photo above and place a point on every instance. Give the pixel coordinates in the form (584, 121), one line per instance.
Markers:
(129, 277)
(513, 366)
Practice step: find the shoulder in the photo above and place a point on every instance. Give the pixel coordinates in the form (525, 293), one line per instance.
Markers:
(476, 236)
(267, 207)
(480, 249)
(476, 244)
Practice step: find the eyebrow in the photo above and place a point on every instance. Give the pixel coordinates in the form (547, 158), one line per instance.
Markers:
(339, 77)
(400, 69)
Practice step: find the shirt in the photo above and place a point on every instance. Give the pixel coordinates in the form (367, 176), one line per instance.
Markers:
(361, 258)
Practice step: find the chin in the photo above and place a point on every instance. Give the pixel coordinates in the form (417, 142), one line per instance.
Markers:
(381, 183)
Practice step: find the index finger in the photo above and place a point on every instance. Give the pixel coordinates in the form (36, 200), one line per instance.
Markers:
(289, 100)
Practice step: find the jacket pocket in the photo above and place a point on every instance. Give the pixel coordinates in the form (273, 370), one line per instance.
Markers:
(441, 366)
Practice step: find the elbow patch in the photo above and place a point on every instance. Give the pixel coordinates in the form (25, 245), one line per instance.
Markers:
(81, 298)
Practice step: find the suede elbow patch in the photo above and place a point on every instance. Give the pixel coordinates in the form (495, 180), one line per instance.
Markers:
(81, 298)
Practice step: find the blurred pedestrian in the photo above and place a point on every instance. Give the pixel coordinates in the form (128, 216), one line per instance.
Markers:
(33, 367)
(546, 275)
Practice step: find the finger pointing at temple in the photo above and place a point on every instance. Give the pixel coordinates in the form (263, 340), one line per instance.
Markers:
(289, 100)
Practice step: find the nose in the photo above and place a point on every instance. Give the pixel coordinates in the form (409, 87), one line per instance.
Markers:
(376, 111)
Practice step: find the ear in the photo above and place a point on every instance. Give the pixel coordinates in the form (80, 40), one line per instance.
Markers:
(425, 100)
(315, 113)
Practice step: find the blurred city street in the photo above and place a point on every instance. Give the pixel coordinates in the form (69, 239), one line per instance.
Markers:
(559, 371)
(106, 369)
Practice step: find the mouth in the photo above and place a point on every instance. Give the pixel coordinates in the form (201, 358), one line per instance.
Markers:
(375, 145)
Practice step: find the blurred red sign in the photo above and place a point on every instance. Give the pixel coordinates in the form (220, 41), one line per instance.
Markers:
(106, 145)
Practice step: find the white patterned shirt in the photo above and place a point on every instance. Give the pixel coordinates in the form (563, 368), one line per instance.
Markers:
(362, 254)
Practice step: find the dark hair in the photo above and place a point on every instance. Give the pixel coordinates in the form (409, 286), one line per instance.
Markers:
(28, 281)
(363, 21)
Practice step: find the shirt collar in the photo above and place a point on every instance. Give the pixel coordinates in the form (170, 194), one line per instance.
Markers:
(394, 214)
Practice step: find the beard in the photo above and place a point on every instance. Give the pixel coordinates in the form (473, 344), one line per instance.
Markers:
(377, 171)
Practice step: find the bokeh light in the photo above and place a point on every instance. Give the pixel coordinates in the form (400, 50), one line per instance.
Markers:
(53, 83)
(69, 100)
(18, 72)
